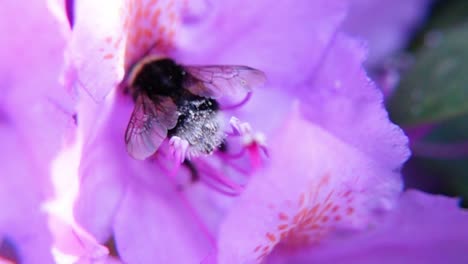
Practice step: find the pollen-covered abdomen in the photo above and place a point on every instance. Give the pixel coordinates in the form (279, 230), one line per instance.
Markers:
(198, 123)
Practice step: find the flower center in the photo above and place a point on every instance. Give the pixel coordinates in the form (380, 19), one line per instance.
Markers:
(227, 168)
(223, 165)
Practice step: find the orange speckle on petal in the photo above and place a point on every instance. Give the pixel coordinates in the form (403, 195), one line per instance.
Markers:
(147, 33)
(283, 227)
(283, 216)
(337, 218)
(151, 4)
(325, 219)
(139, 13)
(283, 235)
(313, 210)
(108, 39)
(257, 248)
(262, 256)
(117, 43)
(172, 17)
(315, 226)
(108, 56)
(171, 34)
(301, 199)
(161, 30)
(138, 37)
(308, 221)
(350, 211)
(300, 216)
(335, 208)
(325, 179)
(146, 13)
(155, 17)
(271, 237)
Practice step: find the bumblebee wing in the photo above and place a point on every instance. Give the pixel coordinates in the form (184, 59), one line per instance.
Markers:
(148, 125)
(217, 80)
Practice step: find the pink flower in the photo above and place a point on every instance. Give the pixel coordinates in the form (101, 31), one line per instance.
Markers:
(320, 187)
(334, 155)
(36, 121)
(31, 126)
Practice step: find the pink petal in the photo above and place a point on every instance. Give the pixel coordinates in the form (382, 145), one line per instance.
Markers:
(101, 190)
(342, 100)
(105, 166)
(314, 184)
(131, 199)
(424, 228)
(33, 98)
(98, 45)
(21, 191)
(285, 40)
(154, 227)
(34, 120)
(72, 241)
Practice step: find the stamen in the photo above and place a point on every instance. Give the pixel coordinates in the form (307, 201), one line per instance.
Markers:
(233, 156)
(239, 104)
(228, 161)
(218, 188)
(196, 217)
(253, 143)
(239, 128)
(222, 180)
(179, 148)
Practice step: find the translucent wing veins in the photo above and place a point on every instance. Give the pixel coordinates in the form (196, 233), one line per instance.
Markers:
(148, 125)
(217, 80)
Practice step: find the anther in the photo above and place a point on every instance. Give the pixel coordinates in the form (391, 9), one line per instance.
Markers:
(179, 148)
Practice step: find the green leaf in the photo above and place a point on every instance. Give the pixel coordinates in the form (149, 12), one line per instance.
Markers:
(449, 13)
(444, 14)
(436, 87)
(450, 131)
(448, 177)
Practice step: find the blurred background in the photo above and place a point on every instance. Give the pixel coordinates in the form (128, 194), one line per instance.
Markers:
(425, 83)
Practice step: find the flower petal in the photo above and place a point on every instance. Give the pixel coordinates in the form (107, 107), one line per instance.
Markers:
(424, 228)
(22, 224)
(33, 123)
(110, 36)
(285, 40)
(155, 227)
(98, 45)
(131, 199)
(33, 99)
(101, 190)
(104, 166)
(314, 184)
(342, 100)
